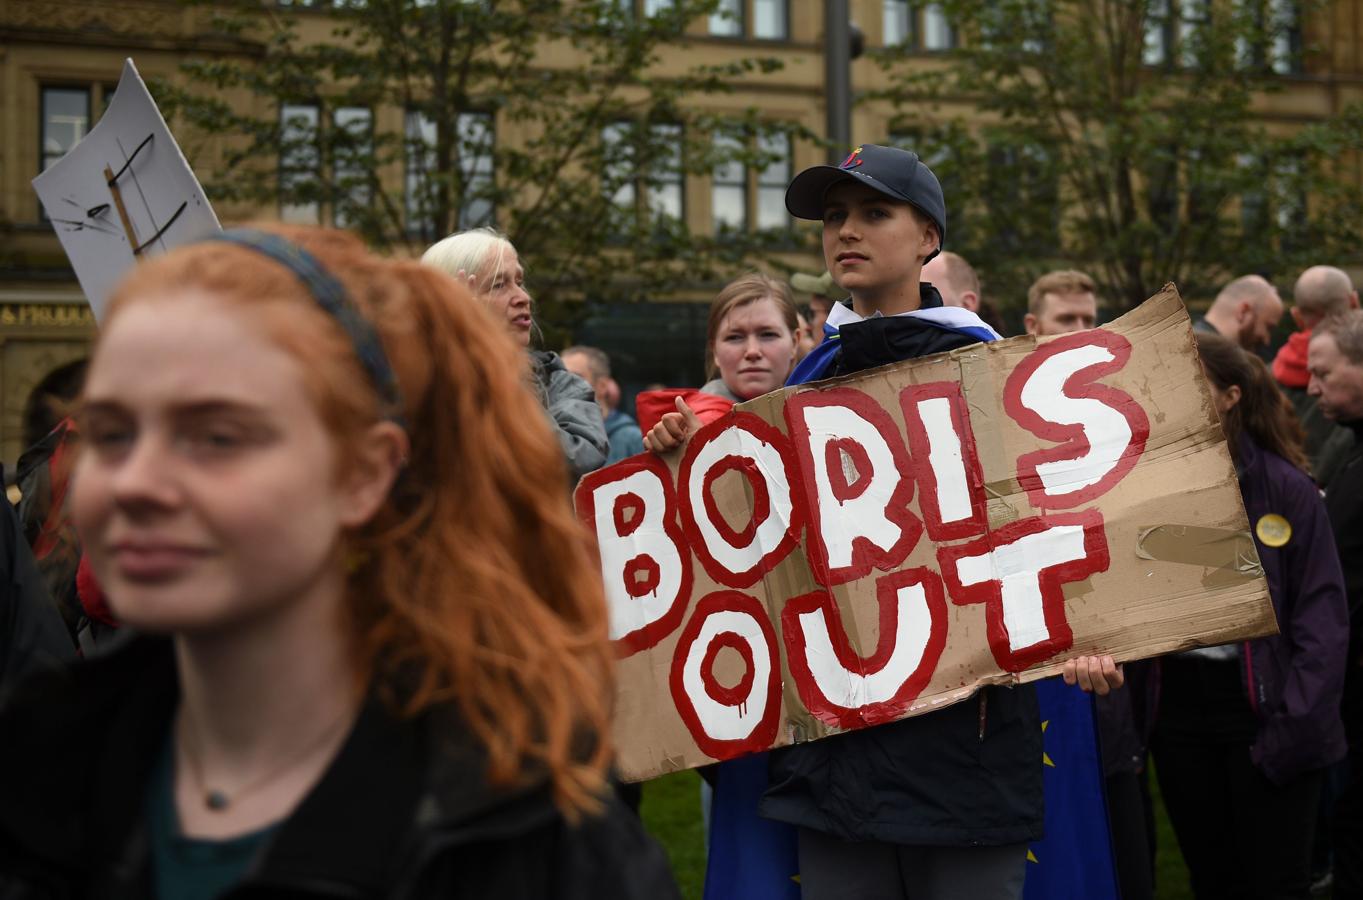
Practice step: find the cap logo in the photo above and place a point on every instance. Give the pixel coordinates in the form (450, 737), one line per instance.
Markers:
(853, 160)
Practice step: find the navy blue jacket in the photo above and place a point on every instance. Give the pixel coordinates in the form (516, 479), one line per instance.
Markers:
(966, 775)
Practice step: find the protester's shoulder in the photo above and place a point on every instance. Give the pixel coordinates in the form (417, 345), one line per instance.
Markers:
(1286, 480)
(609, 854)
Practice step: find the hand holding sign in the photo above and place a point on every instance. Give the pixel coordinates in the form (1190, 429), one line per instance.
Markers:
(845, 554)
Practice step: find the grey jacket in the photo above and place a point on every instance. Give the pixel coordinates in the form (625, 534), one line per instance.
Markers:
(572, 408)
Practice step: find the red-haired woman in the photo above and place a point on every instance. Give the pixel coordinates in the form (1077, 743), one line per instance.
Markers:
(375, 657)
(1244, 731)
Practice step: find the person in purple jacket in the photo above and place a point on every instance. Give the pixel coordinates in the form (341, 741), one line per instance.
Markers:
(1244, 731)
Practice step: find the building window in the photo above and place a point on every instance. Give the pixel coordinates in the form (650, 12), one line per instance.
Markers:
(1176, 31)
(743, 194)
(1280, 201)
(352, 161)
(729, 195)
(772, 180)
(727, 19)
(1158, 36)
(66, 119)
(767, 20)
(474, 143)
(300, 163)
(1194, 19)
(618, 153)
(665, 178)
(770, 20)
(1274, 42)
(647, 165)
(917, 26)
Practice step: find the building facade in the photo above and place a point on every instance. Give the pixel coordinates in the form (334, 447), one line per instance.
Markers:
(59, 63)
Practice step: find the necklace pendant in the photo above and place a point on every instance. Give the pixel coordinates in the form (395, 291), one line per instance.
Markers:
(215, 800)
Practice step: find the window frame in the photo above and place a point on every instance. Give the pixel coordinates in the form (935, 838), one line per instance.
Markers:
(286, 171)
(747, 23)
(414, 223)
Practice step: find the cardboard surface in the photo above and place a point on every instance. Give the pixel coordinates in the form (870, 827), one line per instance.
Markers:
(153, 204)
(1096, 510)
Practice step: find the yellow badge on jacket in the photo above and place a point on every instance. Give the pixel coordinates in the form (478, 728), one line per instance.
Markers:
(1273, 530)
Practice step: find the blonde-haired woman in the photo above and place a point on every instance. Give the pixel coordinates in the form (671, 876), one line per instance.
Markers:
(484, 260)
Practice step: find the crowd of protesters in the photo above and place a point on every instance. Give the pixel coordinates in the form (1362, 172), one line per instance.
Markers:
(297, 605)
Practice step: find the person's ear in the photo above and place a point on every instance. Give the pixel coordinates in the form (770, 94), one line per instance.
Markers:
(375, 465)
(932, 241)
(1244, 313)
(971, 301)
(1232, 395)
(1029, 323)
(1353, 300)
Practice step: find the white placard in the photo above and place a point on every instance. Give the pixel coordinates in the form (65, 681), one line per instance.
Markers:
(129, 160)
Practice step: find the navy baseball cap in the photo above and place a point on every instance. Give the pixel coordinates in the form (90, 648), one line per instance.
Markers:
(898, 174)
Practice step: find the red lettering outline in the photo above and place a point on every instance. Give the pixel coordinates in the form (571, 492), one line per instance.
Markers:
(865, 555)
(585, 500)
(762, 502)
(1050, 581)
(886, 589)
(1082, 385)
(919, 447)
(764, 732)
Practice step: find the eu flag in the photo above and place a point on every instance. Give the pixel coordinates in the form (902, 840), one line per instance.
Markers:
(1074, 860)
(751, 858)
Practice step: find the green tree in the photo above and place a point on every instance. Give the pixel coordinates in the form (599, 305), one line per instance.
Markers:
(1120, 136)
(386, 116)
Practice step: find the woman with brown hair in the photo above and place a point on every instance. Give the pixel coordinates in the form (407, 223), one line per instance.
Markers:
(1245, 731)
(380, 663)
(750, 349)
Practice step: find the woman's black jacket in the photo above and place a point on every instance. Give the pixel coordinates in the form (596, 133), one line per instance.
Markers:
(404, 811)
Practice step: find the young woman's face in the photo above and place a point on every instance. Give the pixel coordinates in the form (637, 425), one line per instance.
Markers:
(871, 242)
(502, 287)
(754, 349)
(207, 494)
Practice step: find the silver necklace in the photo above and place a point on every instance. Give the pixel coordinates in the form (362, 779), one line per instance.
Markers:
(217, 799)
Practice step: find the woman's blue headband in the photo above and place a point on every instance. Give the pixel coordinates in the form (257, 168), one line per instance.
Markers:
(332, 297)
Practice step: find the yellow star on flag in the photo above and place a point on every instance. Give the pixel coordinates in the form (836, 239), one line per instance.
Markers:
(1031, 857)
(1045, 757)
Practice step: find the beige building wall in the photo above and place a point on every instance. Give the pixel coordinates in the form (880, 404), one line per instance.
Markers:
(82, 43)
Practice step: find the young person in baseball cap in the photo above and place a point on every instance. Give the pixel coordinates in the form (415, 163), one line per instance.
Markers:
(949, 800)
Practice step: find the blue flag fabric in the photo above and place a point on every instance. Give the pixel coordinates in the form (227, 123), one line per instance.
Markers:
(750, 858)
(1074, 860)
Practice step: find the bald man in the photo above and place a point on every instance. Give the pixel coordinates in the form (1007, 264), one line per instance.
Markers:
(1246, 311)
(1321, 291)
(954, 279)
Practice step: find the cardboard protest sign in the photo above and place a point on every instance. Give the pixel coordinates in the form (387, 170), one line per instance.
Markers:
(844, 554)
(124, 191)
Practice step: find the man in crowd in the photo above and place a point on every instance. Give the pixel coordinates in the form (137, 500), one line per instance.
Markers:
(1060, 302)
(594, 367)
(1335, 365)
(1246, 311)
(1321, 291)
(955, 280)
(823, 293)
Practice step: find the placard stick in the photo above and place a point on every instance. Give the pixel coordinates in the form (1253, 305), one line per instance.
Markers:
(122, 211)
